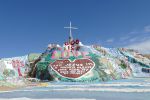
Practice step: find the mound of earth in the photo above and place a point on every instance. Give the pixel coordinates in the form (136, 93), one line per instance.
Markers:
(147, 55)
(85, 64)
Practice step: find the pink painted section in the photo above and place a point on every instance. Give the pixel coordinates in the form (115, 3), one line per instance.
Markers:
(66, 54)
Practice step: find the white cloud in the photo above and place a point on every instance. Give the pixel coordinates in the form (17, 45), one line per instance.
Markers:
(133, 39)
(147, 28)
(110, 40)
(143, 47)
(133, 32)
(124, 38)
(138, 39)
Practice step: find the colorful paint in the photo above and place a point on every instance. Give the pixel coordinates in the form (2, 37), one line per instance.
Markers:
(66, 54)
(72, 69)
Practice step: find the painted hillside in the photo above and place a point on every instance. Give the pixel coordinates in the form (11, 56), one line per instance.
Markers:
(81, 64)
(147, 55)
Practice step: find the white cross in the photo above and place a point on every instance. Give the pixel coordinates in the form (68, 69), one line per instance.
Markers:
(70, 27)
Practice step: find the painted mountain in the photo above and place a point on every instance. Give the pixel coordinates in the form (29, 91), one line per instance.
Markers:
(81, 64)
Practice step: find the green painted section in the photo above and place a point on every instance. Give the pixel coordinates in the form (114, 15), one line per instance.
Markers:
(97, 74)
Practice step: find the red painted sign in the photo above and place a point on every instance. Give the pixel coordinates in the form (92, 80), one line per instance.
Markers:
(17, 64)
(72, 69)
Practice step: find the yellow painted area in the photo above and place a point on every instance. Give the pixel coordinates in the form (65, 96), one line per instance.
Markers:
(43, 84)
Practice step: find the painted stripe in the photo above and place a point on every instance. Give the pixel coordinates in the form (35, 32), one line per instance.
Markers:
(85, 90)
(48, 99)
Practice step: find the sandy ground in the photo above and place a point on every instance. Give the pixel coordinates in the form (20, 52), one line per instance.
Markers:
(6, 88)
(15, 85)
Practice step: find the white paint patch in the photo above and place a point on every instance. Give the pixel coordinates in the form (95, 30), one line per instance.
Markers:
(117, 84)
(89, 90)
(142, 86)
(47, 99)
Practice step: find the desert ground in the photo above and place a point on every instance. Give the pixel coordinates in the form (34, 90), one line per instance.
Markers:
(125, 89)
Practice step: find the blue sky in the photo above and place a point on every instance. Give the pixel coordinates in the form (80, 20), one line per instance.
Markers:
(30, 25)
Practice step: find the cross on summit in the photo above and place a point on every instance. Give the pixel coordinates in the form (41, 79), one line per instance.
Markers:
(70, 27)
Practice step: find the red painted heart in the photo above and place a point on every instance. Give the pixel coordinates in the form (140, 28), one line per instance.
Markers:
(75, 69)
